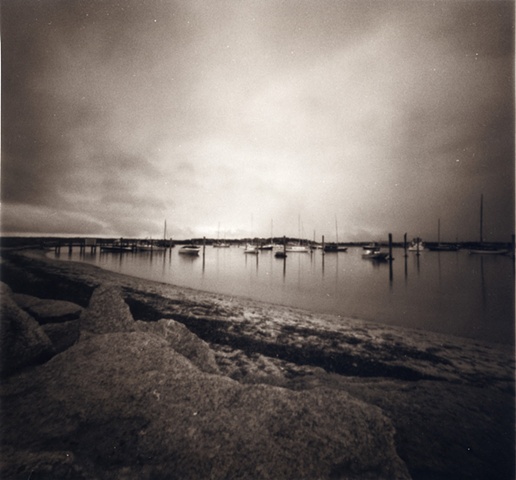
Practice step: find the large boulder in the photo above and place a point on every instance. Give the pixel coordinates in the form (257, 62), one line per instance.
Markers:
(48, 311)
(63, 335)
(22, 340)
(184, 342)
(107, 312)
(126, 405)
(5, 289)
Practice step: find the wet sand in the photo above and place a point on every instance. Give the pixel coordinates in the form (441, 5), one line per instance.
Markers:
(439, 406)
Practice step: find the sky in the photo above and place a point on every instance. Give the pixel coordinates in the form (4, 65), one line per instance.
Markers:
(236, 118)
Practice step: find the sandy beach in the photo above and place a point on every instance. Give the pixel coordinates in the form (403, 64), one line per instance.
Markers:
(107, 376)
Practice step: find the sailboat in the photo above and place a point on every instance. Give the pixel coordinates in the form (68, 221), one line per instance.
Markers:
(218, 243)
(153, 246)
(335, 247)
(441, 247)
(268, 246)
(252, 249)
(298, 248)
(486, 249)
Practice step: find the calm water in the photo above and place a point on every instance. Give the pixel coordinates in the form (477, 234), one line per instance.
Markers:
(448, 292)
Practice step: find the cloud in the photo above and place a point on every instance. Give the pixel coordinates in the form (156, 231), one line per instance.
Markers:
(386, 114)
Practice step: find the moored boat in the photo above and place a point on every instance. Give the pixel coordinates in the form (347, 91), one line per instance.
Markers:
(416, 246)
(252, 249)
(116, 248)
(190, 250)
(334, 248)
(443, 247)
(489, 251)
(486, 248)
(221, 245)
(377, 255)
(148, 247)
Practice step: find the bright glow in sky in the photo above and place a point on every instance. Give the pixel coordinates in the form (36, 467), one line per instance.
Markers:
(227, 117)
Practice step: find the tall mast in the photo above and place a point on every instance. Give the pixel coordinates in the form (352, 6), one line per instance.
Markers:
(481, 217)
(439, 231)
(165, 231)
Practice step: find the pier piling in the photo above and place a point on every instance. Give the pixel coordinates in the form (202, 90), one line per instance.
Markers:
(390, 258)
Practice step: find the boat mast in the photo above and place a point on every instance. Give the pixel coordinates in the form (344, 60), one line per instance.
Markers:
(481, 217)
(439, 231)
(336, 231)
(165, 231)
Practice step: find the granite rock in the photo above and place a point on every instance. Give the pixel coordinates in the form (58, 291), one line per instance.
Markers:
(63, 335)
(184, 342)
(47, 310)
(22, 340)
(126, 405)
(107, 312)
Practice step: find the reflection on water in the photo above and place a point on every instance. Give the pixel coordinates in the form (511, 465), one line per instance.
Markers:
(449, 292)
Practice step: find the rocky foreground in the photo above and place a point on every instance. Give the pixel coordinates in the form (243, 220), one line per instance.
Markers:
(110, 377)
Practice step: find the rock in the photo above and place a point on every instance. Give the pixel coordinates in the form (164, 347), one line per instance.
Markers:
(63, 335)
(184, 342)
(48, 311)
(22, 340)
(44, 465)
(5, 289)
(25, 301)
(107, 312)
(128, 406)
(443, 415)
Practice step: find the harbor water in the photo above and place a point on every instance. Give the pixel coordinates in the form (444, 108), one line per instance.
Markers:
(446, 292)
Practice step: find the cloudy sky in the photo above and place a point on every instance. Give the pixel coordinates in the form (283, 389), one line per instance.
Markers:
(229, 117)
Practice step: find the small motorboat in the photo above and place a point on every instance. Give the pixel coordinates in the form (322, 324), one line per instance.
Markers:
(190, 250)
(252, 249)
(377, 255)
(280, 254)
(334, 248)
